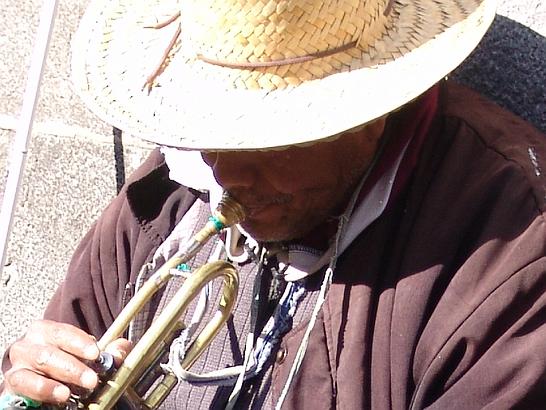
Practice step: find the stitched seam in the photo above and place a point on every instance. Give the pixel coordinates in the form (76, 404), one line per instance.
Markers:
(328, 333)
(506, 158)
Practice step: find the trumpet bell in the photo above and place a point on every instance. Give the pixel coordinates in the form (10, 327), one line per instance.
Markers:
(163, 329)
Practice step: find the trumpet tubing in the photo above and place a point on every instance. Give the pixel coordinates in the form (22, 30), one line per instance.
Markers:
(162, 328)
(132, 379)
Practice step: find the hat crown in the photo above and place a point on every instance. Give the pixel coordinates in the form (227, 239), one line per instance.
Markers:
(286, 71)
(275, 31)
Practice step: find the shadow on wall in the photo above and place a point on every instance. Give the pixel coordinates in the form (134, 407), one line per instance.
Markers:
(509, 67)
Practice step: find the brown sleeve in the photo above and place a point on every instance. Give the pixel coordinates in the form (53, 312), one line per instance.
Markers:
(484, 345)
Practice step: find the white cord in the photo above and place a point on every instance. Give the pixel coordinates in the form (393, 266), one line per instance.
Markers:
(328, 275)
(305, 341)
(249, 348)
(325, 286)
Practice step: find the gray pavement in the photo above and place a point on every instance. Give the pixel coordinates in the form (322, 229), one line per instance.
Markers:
(71, 171)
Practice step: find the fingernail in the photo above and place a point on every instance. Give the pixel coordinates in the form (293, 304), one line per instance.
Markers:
(91, 352)
(89, 379)
(61, 393)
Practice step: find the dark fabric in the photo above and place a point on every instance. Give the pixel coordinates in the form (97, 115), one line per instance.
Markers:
(439, 304)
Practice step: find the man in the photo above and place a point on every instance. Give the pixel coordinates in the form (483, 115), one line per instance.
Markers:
(393, 251)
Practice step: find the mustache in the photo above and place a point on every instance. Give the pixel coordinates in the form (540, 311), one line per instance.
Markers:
(252, 199)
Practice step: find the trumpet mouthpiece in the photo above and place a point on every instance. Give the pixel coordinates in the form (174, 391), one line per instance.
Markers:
(229, 212)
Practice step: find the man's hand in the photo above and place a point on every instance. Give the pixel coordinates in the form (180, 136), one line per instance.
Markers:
(52, 356)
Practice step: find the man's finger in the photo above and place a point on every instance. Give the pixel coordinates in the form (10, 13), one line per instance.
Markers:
(119, 349)
(35, 386)
(53, 363)
(66, 337)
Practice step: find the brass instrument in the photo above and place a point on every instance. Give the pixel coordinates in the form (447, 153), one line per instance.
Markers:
(132, 379)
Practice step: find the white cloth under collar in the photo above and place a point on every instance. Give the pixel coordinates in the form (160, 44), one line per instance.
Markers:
(189, 169)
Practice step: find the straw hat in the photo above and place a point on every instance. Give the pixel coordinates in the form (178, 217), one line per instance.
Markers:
(260, 74)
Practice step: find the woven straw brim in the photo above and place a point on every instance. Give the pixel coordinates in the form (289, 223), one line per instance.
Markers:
(196, 105)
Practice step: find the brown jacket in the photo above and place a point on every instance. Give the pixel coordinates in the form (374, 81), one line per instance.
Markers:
(440, 303)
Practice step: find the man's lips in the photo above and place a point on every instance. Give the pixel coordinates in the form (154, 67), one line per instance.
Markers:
(256, 210)
(266, 210)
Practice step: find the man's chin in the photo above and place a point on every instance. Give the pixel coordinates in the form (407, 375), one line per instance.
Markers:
(272, 232)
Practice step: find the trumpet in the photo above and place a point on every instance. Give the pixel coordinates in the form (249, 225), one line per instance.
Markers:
(141, 368)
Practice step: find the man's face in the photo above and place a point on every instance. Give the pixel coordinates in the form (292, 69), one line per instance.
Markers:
(287, 193)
